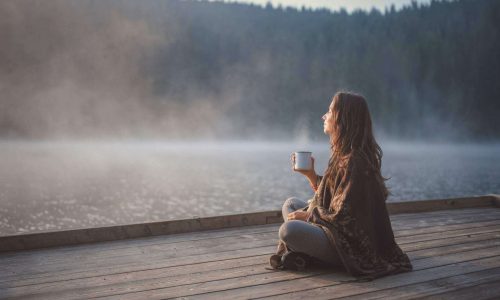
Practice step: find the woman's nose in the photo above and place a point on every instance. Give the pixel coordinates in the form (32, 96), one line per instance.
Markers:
(323, 117)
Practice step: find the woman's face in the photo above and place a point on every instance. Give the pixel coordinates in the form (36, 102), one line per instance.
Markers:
(328, 120)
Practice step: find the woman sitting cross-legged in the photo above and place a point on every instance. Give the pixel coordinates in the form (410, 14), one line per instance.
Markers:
(346, 223)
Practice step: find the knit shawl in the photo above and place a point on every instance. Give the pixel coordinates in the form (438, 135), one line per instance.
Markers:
(351, 210)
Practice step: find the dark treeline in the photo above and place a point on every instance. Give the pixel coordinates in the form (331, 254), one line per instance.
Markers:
(428, 71)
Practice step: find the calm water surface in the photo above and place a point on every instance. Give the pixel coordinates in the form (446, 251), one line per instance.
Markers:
(52, 186)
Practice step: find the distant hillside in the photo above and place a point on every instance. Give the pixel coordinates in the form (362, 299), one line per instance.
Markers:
(236, 70)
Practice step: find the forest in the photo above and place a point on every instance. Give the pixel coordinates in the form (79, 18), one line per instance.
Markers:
(229, 70)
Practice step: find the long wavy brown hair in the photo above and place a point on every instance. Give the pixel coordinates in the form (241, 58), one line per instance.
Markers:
(352, 134)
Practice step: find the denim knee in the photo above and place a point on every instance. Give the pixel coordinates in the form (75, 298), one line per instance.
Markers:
(289, 231)
(291, 202)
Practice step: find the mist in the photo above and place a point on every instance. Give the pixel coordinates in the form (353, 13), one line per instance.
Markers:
(79, 70)
(72, 69)
(82, 70)
(189, 70)
(121, 111)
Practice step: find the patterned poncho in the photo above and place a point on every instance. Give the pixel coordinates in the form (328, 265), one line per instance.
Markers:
(351, 210)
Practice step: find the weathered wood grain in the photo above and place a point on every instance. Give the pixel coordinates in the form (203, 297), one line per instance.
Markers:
(424, 223)
(489, 290)
(78, 288)
(136, 262)
(96, 277)
(98, 286)
(111, 233)
(275, 285)
(189, 248)
(330, 286)
(451, 250)
(438, 288)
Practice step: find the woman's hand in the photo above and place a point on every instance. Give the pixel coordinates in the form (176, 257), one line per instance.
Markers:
(298, 215)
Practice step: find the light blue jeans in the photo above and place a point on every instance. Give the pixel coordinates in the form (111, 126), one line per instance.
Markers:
(305, 237)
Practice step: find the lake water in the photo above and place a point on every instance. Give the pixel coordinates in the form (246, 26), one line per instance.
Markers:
(53, 186)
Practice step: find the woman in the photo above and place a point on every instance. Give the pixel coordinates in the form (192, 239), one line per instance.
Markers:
(346, 223)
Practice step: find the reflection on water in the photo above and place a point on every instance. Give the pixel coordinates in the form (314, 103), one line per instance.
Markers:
(53, 186)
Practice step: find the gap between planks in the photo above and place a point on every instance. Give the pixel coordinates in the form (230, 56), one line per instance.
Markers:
(214, 247)
(134, 244)
(241, 287)
(416, 258)
(474, 231)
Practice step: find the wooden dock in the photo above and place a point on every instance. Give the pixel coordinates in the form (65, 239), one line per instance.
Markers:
(454, 245)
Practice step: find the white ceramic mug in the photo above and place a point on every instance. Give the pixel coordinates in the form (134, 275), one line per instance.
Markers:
(303, 161)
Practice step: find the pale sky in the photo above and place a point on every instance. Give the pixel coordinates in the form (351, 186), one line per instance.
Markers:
(349, 5)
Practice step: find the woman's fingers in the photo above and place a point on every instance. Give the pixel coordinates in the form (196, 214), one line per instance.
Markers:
(297, 215)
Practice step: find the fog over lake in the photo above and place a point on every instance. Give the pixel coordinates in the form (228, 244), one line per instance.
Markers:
(64, 185)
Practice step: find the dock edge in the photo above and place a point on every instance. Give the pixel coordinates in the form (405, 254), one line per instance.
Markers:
(39, 240)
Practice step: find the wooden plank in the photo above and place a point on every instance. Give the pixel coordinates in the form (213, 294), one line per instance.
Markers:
(489, 290)
(165, 250)
(175, 251)
(102, 249)
(160, 258)
(103, 252)
(84, 271)
(195, 274)
(275, 285)
(439, 204)
(450, 241)
(77, 289)
(331, 286)
(439, 235)
(123, 276)
(153, 284)
(425, 222)
(92, 277)
(151, 240)
(147, 241)
(110, 233)
(443, 228)
(455, 212)
(459, 285)
(422, 252)
(447, 214)
(75, 262)
(126, 262)
(177, 254)
(113, 246)
(137, 245)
